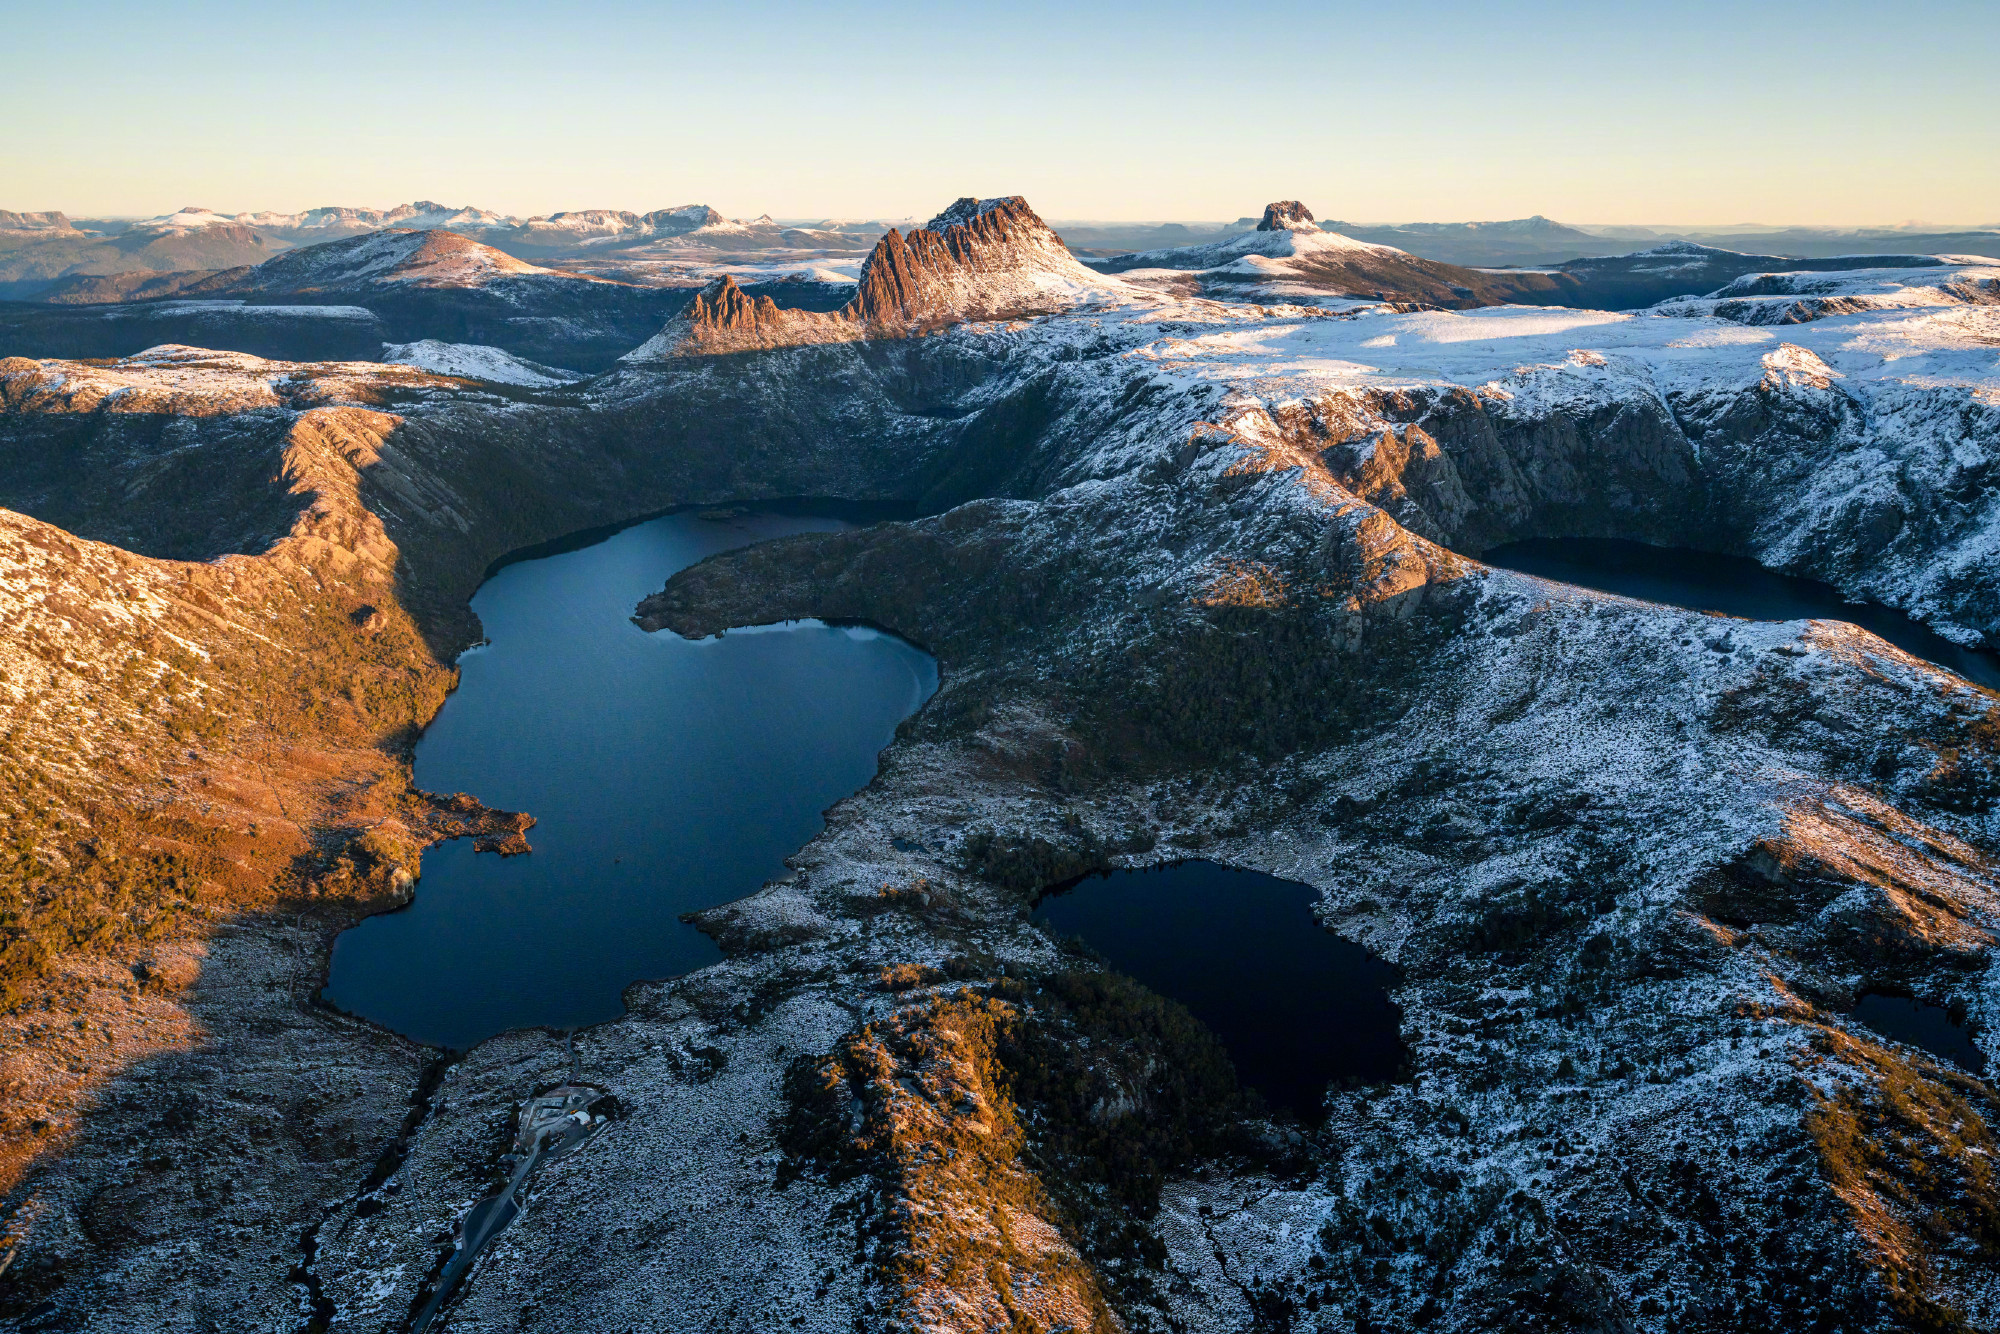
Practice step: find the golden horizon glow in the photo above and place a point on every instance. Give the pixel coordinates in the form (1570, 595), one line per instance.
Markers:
(1690, 115)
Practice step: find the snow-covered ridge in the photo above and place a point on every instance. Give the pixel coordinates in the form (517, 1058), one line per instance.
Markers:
(427, 259)
(1278, 243)
(568, 226)
(594, 224)
(420, 215)
(1517, 350)
(1692, 257)
(1798, 298)
(183, 381)
(477, 362)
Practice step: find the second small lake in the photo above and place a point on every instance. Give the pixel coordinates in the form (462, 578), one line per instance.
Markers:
(1297, 1007)
(1927, 1027)
(664, 774)
(1733, 586)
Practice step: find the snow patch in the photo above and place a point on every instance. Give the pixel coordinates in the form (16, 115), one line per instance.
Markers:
(477, 362)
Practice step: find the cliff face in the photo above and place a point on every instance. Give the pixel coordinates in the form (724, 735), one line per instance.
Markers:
(987, 259)
(1287, 215)
(980, 259)
(1873, 488)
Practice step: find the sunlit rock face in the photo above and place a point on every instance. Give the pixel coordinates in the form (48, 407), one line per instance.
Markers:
(1287, 215)
(978, 260)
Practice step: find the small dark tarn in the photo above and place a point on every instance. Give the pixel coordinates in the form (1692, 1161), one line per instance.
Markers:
(1926, 1027)
(1733, 586)
(1297, 1007)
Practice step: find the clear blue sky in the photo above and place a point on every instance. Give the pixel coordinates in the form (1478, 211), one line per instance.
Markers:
(1755, 110)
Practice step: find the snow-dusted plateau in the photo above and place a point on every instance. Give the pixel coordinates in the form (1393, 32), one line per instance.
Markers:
(1200, 570)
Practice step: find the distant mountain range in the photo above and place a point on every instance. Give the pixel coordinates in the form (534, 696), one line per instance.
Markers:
(554, 233)
(1286, 256)
(38, 250)
(1539, 241)
(42, 253)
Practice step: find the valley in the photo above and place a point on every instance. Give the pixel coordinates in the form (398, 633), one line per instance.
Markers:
(1193, 539)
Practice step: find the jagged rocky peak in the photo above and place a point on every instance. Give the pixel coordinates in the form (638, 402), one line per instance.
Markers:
(1287, 215)
(725, 305)
(985, 233)
(963, 211)
(971, 221)
(725, 318)
(980, 259)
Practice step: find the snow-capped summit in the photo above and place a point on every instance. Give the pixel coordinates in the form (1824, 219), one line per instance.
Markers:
(965, 210)
(191, 218)
(1287, 231)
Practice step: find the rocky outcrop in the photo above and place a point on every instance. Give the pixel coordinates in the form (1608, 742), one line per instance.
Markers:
(978, 260)
(1881, 491)
(985, 259)
(1287, 215)
(723, 318)
(34, 222)
(1470, 471)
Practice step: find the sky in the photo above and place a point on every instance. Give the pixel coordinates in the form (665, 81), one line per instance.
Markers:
(1830, 113)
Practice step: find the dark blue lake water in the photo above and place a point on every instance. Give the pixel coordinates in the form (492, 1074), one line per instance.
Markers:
(1298, 1007)
(1922, 1025)
(1734, 586)
(665, 775)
